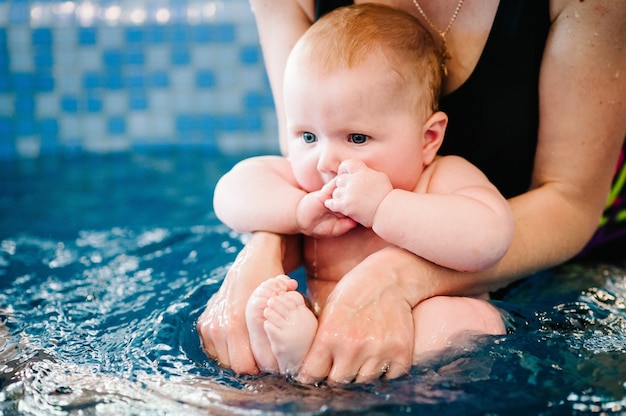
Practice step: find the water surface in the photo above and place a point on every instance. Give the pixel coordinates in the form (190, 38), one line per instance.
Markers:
(107, 261)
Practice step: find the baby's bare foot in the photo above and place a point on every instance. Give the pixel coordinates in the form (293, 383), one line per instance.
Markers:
(261, 348)
(290, 327)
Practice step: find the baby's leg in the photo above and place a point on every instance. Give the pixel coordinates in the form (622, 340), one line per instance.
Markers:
(441, 322)
(290, 327)
(255, 320)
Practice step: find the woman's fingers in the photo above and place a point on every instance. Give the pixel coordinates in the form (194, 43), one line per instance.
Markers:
(316, 365)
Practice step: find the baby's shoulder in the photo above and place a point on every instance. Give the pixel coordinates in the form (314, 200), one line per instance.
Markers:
(444, 165)
(447, 173)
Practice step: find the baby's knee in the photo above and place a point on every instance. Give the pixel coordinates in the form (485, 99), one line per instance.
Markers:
(459, 313)
(442, 322)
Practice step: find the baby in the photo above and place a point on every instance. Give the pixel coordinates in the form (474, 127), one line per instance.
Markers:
(361, 89)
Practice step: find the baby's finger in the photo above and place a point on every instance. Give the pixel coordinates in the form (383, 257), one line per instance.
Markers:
(328, 188)
(350, 166)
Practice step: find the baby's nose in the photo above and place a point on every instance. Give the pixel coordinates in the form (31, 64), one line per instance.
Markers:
(328, 161)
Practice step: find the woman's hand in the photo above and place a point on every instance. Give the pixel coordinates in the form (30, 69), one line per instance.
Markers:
(366, 327)
(222, 325)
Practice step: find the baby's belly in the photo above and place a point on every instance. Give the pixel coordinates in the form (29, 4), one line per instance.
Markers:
(328, 260)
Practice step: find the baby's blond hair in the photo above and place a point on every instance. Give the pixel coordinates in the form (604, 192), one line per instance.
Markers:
(346, 36)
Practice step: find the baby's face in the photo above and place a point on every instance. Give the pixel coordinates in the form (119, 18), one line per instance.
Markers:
(361, 113)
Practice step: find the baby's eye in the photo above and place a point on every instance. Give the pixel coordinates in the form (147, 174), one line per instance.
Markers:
(358, 138)
(309, 137)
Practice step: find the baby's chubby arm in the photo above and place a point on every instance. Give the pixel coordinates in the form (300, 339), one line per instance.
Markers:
(262, 194)
(455, 218)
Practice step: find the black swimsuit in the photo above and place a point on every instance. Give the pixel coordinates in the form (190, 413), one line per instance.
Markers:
(494, 115)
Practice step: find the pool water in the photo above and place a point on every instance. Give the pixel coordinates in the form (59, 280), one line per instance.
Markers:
(107, 261)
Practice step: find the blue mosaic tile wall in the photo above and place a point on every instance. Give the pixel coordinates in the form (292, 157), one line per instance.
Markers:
(116, 75)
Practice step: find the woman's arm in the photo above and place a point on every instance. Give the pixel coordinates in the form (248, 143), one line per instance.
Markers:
(280, 24)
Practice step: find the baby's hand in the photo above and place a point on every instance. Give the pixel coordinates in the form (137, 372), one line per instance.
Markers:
(358, 192)
(315, 220)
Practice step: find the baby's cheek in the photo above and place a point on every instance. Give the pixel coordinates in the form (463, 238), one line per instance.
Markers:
(310, 180)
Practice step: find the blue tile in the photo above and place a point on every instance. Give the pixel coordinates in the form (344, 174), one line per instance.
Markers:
(186, 124)
(249, 55)
(6, 127)
(4, 59)
(44, 81)
(116, 125)
(112, 57)
(94, 104)
(159, 79)
(48, 144)
(49, 134)
(22, 82)
(134, 55)
(135, 80)
(24, 126)
(24, 104)
(208, 123)
(92, 80)
(202, 33)
(157, 34)
(134, 35)
(138, 101)
(180, 56)
(7, 150)
(42, 37)
(48, 127)
(69, 104)
(114, 81)
(5, 85)
(253, 123)
(205, 79)
(43, 58)
(229, 123)
(180, 33)
(87, 35)
(256, 100)
(218, 33)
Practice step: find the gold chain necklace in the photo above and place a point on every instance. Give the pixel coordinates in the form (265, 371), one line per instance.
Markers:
(445, 55)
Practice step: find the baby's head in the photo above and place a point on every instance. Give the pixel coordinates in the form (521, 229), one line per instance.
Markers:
(362, 83)
(348, 36)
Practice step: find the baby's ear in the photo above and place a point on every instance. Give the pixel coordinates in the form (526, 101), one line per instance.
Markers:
(433, 132)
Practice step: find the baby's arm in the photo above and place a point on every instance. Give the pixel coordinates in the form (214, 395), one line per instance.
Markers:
(455, 218)
(261, 194)
(258, 193)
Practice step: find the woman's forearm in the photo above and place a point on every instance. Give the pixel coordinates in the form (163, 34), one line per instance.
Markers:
(539, 242)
